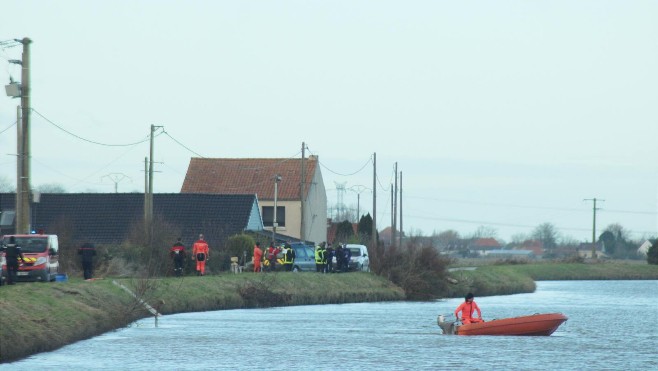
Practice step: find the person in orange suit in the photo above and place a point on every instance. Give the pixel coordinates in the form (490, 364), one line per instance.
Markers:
(258, 257)
(200, 253)
(467, 308)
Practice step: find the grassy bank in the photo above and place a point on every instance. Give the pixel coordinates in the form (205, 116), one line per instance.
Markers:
(502, 279)
(39, 317)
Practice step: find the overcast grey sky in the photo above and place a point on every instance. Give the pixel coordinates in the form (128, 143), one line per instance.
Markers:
(506, 114)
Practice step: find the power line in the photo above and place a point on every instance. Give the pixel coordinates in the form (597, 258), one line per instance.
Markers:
(9, 127)
(89, 140)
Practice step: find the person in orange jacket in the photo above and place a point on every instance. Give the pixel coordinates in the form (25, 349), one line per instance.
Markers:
(200, 253)
(467, 308)
(258, 256)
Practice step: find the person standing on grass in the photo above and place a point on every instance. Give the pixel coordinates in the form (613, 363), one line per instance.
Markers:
(272, 252)
(177, 254)
(200, 253)
(288, 257)
(12, 254)
(87, 251)
(258, 257)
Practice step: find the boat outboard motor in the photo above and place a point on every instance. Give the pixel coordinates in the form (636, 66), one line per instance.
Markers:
(447, 327)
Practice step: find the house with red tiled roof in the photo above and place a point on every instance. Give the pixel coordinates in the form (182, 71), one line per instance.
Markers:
(483, 245)
(257, 176)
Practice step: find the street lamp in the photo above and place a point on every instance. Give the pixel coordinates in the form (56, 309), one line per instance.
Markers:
(277, 179)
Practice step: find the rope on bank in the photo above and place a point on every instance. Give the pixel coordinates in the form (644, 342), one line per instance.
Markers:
(145, 304)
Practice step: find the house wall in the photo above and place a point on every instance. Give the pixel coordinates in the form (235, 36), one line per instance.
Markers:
(255, 220)
(293, 217)
(315, 213)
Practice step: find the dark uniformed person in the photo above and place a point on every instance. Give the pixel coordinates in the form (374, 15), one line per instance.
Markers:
(177, 253)
(12, 254)
(87, 251)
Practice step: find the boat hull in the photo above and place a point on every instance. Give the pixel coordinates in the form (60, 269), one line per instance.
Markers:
(533, 325)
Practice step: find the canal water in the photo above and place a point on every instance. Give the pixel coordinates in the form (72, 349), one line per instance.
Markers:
(612, 326)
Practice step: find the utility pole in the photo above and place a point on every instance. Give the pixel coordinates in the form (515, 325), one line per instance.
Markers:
(302, 196)
(277, 179)
(392, 215)
(400, 234)
(23, 165)
(146, 195)
(149, 194)
(593, 225)
(374, 200)
(395, 205)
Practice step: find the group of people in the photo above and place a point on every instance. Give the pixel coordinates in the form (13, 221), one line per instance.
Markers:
(271, 255)
(200, 254)
(324, 258)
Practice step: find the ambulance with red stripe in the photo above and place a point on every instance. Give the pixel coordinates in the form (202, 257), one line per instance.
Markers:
(41, 253)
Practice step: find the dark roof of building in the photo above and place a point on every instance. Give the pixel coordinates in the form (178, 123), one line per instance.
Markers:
(110, 217)
(248, 175)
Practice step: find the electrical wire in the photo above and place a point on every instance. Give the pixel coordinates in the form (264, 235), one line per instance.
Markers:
(88, 140)
(9, 127)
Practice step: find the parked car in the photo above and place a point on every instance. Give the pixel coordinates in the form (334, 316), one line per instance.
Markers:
(41, 252)
(304, 259)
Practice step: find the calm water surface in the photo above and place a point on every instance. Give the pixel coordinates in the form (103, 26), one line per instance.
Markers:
(612, 326)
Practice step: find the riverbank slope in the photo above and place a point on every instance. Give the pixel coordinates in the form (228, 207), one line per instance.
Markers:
(39, 317)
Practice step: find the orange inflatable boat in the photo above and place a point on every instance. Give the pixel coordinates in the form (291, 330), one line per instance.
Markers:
(532, 325)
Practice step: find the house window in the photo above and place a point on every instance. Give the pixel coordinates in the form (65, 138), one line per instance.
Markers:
(268, 216)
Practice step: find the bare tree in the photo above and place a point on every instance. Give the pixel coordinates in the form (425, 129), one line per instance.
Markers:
(547, 234)
(6, 186)
(50, 188)
(484, 231)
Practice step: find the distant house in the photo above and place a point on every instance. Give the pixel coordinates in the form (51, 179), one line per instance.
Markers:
(225, 176)
(585, 250)
(109, 218)
(482, 246)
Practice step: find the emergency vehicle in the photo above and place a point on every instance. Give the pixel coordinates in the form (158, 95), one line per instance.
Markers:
(41, 253)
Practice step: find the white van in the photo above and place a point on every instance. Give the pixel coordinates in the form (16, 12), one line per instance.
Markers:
(359, 260)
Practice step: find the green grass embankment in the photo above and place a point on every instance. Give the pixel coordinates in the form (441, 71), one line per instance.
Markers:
(38, 317)
(500, 279)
